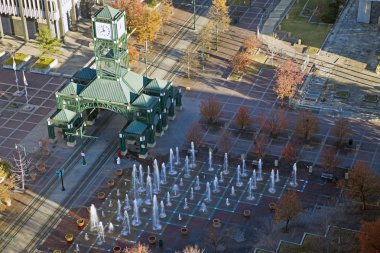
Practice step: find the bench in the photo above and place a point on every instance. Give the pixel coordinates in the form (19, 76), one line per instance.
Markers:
(327, 176)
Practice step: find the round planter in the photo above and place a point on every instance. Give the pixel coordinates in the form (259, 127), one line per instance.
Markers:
(216, 223)
(152, 240)
(119, 172)
(184, 231)
(111, 183)
(80, 223)
(69, 237)
(101, 195)
(116, 249)
(247, 213)
(272, 206)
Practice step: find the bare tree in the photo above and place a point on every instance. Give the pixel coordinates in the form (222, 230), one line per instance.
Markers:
(288, 208)
(210, 109)
(341, 131)
(329, 159)
(273, 123)
(225, 141)
(21, 169)
(243, 119)
(259, 146)
(188, 59)
(306, 125)
(219, 17)
(195, 134)
(289, 153)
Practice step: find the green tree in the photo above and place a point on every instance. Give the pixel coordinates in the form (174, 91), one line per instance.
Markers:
(47, 43)
(219, 17)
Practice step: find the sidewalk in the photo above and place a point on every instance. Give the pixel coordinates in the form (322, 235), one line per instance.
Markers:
(276, 16)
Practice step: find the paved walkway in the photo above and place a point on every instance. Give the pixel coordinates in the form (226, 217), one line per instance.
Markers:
(276, 16)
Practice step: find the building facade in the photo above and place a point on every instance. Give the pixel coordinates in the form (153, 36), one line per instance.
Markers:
(23, 18)
(368, 11)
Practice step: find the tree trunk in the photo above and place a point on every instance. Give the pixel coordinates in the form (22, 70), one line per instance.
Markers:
(364, 204)
(287, 226)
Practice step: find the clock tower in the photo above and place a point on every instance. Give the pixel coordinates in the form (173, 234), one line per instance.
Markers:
(110, 43)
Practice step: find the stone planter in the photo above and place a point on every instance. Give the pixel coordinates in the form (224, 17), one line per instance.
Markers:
(57, 251)
(80, 223)
(69, 238)
(101, 195)
(119, 172)
(111, 183)
(41, 168)
(116, 249)
(152, 240)
(184, 231)
(247, 213)
(272, 206)
(216, 223)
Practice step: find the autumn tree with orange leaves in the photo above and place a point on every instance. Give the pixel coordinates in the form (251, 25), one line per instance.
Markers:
(363, 183)
(288, 208)
(240, 61)
(195, 134)
(306, 125)
(289, 153)
(369, 237)
(225, 141)
(273, 123)
(133, 10)
(288, 76)
(259, 146)
(329, 159)
(133, 54)
(341, 131)
(251, 43)
(210, 110)
(242, 118)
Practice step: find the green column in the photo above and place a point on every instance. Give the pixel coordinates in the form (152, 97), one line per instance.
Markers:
(171, 109)
(164, 120)
(159, 126)
(143, 148)
(51, 132)
(179, 99)
(151, 139)
(123, 147)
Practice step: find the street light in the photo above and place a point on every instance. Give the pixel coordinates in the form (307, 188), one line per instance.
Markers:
(59, 172)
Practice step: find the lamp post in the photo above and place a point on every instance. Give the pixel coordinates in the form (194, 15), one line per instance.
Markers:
(59, 172)
(194, 10)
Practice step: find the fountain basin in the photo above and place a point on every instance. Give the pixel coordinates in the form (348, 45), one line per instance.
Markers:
(184, 231)
(119, 172)
(69, 237)
(272, 206)
(101, 195)
(80, 222)
(116, 249)
(111, 183)
(152, 240)
(216, 223)
(247, 213)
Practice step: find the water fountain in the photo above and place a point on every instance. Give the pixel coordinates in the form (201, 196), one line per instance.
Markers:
(272, 188)
(135, 184)
(254, 181)
(210, 168)
(162, 210)
(155, 215)
(100, 238)
(127, 205)
(110, 228)
(171, 157)
(177, 162)
(119, 217)
(179, 217)
(225, 164)
(293, 182)
(86, 237)
(110, 203)
(208, 193)
(221, 178)
(203, 208)
(192, 165)
(168, 200)
(197, 186)
(181, 182)
(244, 169)
(103, 214)
(216, 185)
(187, 171)
(94, 219)
(148, 196)
(175, 191)
(250, 195)
(185, 204)
(77, 248)
(233, 193)
(163, 174)
(191, 193)
(260, 171)
(228, 202)
(239, 183)
(141, 175)
(277, 176)
(126, 229)
(148, 170)
(118, 193)
(156, 178)
(136, 216)
(172, 170)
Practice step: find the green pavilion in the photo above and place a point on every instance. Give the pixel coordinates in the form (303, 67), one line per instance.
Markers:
(146, 103)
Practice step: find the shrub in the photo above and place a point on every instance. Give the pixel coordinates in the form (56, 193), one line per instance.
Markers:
(19, 58)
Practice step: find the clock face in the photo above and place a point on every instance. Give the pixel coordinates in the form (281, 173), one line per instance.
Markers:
(103, 31)
(121, 27)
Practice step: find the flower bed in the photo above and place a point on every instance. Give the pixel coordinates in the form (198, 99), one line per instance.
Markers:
(44, 65)
(342, 94)
(20, 59)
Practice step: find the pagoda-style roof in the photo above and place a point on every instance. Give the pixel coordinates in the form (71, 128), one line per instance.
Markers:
(64, 115)
(145, 101)
(135, 127)
(158, 85)
(84, 76)
(71, 89)
(135, 81)
(107, 12)
(109, 90)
